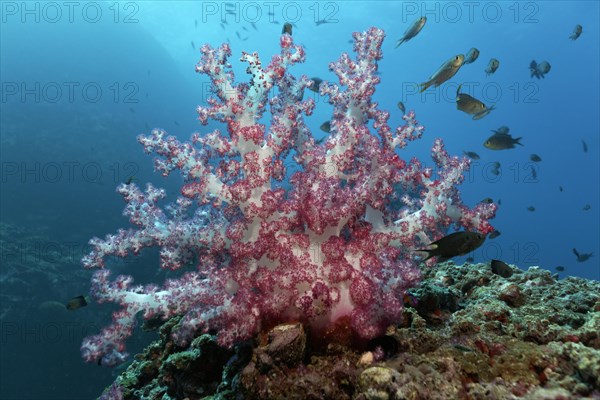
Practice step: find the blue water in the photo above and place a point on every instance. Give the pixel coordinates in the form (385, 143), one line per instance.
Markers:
(79, 84)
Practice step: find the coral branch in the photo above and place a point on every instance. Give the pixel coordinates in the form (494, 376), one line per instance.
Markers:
(334, 243)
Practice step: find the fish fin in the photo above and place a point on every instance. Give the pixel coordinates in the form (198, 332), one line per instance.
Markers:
(425, 86)
(429, 254)
(516, 141)
(400, 41)
(575, 252)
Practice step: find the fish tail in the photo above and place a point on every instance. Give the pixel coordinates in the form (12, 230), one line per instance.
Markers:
(400, 41)
(429, 254)
(425, 86)
(517, 141)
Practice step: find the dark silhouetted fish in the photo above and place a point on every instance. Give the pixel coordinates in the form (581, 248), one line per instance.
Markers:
(539, 70)
(492, 66)
(401, 107)
(471, 55)
(316, 83)
(535, 158)
(455, 244)
(76, 302)
(576, 32)
(582, 257)
(287, 28)
(501, 268)
(501, 141)
(472, 155)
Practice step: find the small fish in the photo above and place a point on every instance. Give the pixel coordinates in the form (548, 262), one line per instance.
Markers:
(501, 268)
(287, 28)
(401, 107)
(587, 207)
(193, 45)
(222, 26)
(413, 31)
(585, 148)
(533, 173)
(539, 70)
(535, 158)
(320, 140)
(487, 200)
(472, 55)
(326, 126)
(531, 208)
(454, 244)
(472, 155)
(176, 123)
(316, 84)
(254, 26)
(582, 257)
(244, 28)
(76, 302)
(576, 32)
(238, 35)
(559, 268)
(469, 259)
(495, 168)
(499, 201)
(130, 180)
(494, 234)
(410, 299)
(446, 71)
(501, 141)
(471, 105)
(196, 23)
(502, 130)
(492, 66)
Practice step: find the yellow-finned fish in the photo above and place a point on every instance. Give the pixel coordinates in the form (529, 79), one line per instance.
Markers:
(412, 31)
(446, 71)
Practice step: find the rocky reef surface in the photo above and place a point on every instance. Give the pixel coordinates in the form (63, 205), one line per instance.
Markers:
(467, 333)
